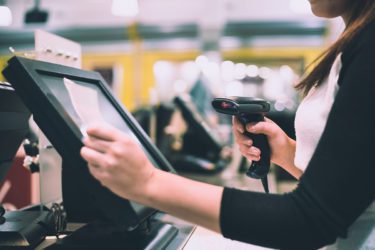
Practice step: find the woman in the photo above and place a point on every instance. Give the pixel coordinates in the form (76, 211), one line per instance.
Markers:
(334, 145)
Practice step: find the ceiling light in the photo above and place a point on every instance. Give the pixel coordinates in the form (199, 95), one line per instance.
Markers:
(5, 16)
(252, 71)
(300, 6)
(126, 8)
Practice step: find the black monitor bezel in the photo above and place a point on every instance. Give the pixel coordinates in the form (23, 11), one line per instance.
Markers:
(24, 75)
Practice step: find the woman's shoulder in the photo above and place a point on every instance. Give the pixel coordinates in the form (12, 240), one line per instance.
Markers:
(359, 54)
(367, 35)
(365, 39)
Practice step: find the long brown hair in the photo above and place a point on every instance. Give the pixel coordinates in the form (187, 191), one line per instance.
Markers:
(363, 12)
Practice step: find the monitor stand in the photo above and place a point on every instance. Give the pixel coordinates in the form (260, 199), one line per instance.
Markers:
(103, 235)
(25, 229)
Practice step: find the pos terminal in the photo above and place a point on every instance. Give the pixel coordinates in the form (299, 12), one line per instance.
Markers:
(64, 101)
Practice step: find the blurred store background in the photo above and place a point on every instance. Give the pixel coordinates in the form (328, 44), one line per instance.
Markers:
(166, 60)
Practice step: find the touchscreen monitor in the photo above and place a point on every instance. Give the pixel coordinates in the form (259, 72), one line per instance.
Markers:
(64, 101)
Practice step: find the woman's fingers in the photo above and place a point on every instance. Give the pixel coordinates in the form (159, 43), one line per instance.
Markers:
(244, 142)
(242, 139)
(96, 144)
(93, 157)
(98, 173)
(250, 156)
(266, 127)
(237, 125)
(252, 153)
(103, 131)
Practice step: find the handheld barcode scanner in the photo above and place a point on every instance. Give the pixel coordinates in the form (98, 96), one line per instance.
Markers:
(248, 109)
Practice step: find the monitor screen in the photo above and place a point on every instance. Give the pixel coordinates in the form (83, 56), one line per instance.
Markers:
(14, 118)
(64, 101)
(86, 103)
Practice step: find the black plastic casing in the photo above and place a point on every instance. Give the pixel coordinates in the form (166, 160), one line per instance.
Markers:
(249, 109)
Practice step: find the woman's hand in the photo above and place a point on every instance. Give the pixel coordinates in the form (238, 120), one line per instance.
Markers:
(117, 161)
(282, 147)
(120, 164)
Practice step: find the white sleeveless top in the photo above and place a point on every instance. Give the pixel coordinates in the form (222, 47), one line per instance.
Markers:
(312, 114)
(310, 121)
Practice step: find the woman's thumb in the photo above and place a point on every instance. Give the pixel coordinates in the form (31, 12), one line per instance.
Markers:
(263, 127)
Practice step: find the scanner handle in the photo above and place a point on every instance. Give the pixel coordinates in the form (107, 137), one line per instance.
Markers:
(258, 169)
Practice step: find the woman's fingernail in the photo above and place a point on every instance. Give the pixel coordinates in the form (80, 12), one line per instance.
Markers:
(255, 151)
(250, 128)
(241, 130)
(84, 140)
